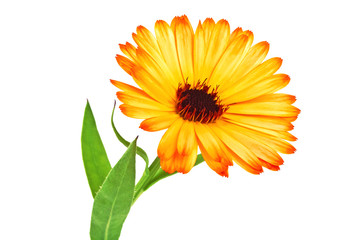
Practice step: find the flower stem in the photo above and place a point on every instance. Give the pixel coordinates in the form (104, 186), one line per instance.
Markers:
(146, 178)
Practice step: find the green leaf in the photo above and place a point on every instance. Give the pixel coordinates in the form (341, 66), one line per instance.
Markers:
(161, 174)
(113, 201)
(139, 150)
(96, 162)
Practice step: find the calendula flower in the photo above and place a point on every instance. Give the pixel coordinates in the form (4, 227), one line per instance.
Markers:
(210, 89)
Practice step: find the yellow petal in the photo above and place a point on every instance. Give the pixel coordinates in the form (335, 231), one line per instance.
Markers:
(168, 143)
(129, 50)
(260, 87)
(170, 158)
(184, 44)
(125, 63)
(239, 161)
(217, 44)
(276, 133)
(236, 33)
(130, 89)
(141, 102)
(276, 97)
(258, 148)
(229, 61)
(186, 138)
(199, 52)
(253, 58)
(208, 26)
(146, 40)
(166, 41)
(237, 147)
(160, 73)
(140, 113)
(151, 86)
(213, 150)
(275, 143)
(276, 109)
(159, 123)
(274, 123)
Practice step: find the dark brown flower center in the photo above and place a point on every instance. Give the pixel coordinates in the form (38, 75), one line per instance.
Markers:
(198, 104)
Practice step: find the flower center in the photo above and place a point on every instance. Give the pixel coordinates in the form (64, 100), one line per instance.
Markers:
(198, 104)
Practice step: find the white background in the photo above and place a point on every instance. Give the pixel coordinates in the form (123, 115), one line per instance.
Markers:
(56, 54)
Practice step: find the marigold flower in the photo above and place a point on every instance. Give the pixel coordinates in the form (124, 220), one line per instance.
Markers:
(210, 89)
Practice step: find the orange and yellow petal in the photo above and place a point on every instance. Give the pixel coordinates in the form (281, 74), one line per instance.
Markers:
(160, 122)
(263, 71)
(166, 42)
(213, 150)
(141, 102)
(269, 122)
(261, 150)
(161, 75)
(125, 63)
(129, 50)
(229, 61)
(216, 45)
(174, 156)
(184, 38)
(147, 82)
(276, 109)
(236, 146)
(140, 113)
(276, 143)
(146, 40)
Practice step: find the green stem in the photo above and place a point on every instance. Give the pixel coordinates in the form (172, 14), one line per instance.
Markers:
(145, 179)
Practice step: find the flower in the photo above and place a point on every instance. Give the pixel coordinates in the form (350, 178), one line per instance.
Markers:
(210, 89)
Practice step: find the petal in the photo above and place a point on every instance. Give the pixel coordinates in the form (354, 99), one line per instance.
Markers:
(171, 159)
(141, 102)
(269, 166)
(208, 26)
(140, 113)
(243, 164)
(236, 146)
(264, 70)
(168, 143)
(276, 109)
(159, 123)
(199, 52)
(261, 87)
(160, 73)
(184, 35)
(146, 40)
(212, 150)
(258, 148)
(150, 85)
(129, 50)
(166, 41)
(275, 143)
(236, 33)
(280, 134)
(186, 138)
(253, 58)
(130, 89)
(229, 61)
(216, 47)
(125, 63)
(276, 97)
(274, 123)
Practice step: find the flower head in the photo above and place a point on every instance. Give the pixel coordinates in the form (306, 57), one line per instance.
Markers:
(210, 89)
